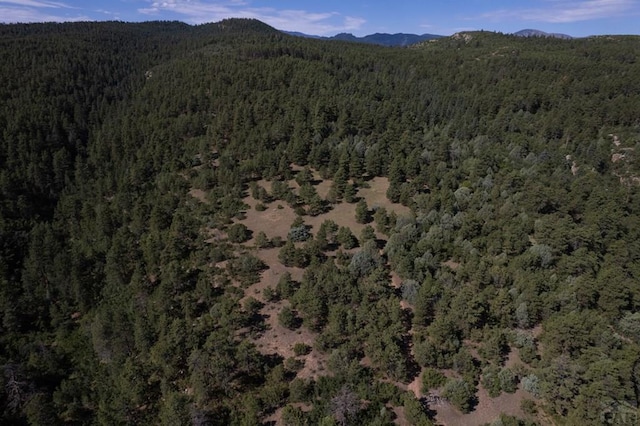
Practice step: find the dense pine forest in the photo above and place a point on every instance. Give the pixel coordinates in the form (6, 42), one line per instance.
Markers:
(226, 225)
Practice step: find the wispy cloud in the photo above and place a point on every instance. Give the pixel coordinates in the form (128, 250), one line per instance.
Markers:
(38, 11)
(34, 3)
(19, 14)
(565, 11)
(199, 11)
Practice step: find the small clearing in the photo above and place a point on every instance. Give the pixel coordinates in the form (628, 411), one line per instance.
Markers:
(275, 221)
(487, 410)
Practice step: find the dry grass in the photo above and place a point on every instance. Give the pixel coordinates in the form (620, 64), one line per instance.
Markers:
(198, 194)
(276, 221)
(488, 408)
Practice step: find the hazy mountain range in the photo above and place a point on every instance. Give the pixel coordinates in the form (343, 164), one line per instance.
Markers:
(384, 39)
(538, 33)
(402, 39)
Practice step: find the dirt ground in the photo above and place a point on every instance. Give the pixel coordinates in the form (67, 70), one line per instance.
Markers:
(276, 221)
(488, 409)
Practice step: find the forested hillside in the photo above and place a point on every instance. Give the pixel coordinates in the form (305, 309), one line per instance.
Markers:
(224, 224)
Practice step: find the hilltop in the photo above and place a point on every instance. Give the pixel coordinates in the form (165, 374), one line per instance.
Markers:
(538, 33)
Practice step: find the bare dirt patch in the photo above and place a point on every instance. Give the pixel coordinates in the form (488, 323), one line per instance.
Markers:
(198, 194)
(277, 218)
(275, 221)
(487, 410)
(376, 196)
(344, 214)
(277, 339)
(281, 340)
(451, 264)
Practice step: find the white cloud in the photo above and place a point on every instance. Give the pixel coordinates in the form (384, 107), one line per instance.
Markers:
(566, 11)
(12, 11)
(27, 14)
(34, 3)
(198, 12)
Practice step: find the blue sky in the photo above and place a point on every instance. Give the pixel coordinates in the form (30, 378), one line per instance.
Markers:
(328, 17)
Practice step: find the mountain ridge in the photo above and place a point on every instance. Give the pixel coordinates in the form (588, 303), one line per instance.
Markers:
(537, 33)
(383, 39)
(406, 39)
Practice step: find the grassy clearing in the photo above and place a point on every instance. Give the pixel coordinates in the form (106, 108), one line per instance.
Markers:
(275, 221)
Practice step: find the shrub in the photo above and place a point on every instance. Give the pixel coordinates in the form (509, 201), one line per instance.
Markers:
(367, 234)
(529, 407)
(262, 241)
(270, 295)
(300, 390)
(301, 349)
(508, 380)
(461, 394)
(299, 234)
(432, 379)
(293, 364)
(491, 381)
(346, 238)
(363, 215)
(287, 318)
(531, 384)
(285, 287)
(238, 233)
(410, 290)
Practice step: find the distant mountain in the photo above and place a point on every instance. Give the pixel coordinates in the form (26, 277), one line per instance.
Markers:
(298, 34)
(538, 33)
(383, 39)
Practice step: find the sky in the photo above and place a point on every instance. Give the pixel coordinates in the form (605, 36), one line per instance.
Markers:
(578, 18)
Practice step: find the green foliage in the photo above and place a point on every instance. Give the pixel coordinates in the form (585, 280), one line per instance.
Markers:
(286, 286)
(529, 407)
(367, 234)
(290, 255)
(293, 364)
(238, 233)
(460, 393)
(346, 238)
(531, 384)
(366, 260)
(246, 268)
(293, 416)
(118, 289)
(508, 380)
(362, 212)
(415, 411)
(301, 349)
(496, 347)
(262, 241)
(270, 295)
(287, 318)
(298, 234)
(432, 379)
(491, 381)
